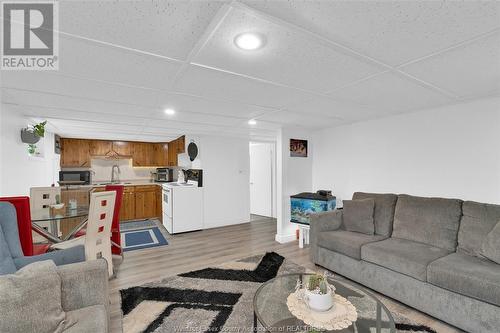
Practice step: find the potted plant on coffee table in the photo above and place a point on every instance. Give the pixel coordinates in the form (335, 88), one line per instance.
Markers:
(319, 293)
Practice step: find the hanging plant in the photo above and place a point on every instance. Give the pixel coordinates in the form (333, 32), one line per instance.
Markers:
(39, 129)
(32, 149)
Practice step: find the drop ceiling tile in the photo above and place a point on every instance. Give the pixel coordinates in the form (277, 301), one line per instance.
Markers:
(390, 31)
(469, 71)
(288, 57)
(70, 105)
(392, 93)
(309, 121)
(169, 28)
(225, 86)
(186, 103)
(100, 62)
(322, 106)
(58, 84)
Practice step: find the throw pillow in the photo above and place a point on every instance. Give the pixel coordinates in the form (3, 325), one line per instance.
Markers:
(491, 244)
(358, 215)
(30, 300)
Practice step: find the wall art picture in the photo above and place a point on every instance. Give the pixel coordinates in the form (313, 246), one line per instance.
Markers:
(298, 148)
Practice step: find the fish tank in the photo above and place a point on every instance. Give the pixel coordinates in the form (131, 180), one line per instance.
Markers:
(306, 203)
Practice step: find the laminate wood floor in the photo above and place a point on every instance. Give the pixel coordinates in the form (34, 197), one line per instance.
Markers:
(195, 250)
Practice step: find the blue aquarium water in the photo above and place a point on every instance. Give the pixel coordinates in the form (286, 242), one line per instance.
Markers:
(303, 204)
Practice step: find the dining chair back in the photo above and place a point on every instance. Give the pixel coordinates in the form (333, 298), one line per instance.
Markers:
(98, 235)
(42, 197)
(116, 247)
(22, 206)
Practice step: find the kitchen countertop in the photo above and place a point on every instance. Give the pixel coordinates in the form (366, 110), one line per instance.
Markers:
(128, 182)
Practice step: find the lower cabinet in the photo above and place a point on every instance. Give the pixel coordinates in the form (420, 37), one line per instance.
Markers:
(127, 211)
(145, 202)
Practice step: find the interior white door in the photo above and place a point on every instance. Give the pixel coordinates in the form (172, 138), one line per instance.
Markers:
(261, 179)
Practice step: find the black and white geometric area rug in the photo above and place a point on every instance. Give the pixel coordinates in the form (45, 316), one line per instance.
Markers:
(214, 299)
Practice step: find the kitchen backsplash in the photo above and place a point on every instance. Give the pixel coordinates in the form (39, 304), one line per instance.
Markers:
(102, 169)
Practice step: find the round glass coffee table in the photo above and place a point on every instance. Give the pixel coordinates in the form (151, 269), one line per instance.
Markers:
(271, 313)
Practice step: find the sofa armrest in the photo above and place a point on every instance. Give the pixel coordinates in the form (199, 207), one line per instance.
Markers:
(63, 257)
(320, 222)
(84, 284)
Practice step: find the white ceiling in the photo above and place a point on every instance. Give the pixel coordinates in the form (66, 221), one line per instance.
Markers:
(325, 63)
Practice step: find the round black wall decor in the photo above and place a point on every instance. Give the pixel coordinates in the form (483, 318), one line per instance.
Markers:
(192, 151)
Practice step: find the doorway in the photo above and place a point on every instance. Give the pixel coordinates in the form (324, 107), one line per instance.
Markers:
(263, 179)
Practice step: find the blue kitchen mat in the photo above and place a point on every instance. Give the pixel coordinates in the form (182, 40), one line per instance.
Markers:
(142, 239)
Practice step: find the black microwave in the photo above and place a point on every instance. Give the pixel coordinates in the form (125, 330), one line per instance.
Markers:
(75, 176)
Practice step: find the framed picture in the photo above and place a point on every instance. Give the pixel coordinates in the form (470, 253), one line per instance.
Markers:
(298, 148)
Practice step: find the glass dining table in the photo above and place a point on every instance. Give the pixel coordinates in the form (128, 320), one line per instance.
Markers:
(55, 219)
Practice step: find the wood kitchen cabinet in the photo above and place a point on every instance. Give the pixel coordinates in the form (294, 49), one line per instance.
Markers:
(142, 154)
(160, 154)
(127, 210)
(122, 148)
(145, 202)
(172, 153)
(75, 153)
(100, 147)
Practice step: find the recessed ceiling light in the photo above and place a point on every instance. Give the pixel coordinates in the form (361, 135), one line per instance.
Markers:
(252, 122)
(169, 112)
(249, 41)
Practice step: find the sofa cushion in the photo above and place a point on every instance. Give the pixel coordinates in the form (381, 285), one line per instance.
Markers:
(402, 256)
(491, 245)
(433, 221)
(467, 275)
(477, 221)
(383, 216)
(30, 300)
(6, 262)
(358, 216)
(88, 319)
(346, 242)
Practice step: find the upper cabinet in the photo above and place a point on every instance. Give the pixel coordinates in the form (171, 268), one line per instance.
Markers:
(77, 153)
(142, 154)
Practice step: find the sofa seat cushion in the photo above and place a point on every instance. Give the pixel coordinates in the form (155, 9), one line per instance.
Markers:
(348, 243)
(432, 221)
(403, 256)
(467, 275)
(88, 319)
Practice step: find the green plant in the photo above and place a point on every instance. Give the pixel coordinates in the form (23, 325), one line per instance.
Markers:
(39, 129)
(318, 283)
(58, 199)
(323, 287)
(31, 149)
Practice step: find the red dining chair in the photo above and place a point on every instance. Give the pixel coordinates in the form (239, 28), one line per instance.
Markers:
(115, 226)
(22, 205)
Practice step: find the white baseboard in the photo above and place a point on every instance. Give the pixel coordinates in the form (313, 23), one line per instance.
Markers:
(285, 238)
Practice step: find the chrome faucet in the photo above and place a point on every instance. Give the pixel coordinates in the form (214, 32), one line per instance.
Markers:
(117, 179)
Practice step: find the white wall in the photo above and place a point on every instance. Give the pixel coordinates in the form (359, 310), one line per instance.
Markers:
(452, 151)
(19, 171)
(294, 175)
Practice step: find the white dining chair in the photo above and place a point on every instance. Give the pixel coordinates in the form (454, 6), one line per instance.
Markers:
(43, 197)
(97, 240)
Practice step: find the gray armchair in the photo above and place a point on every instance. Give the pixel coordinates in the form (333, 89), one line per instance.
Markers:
(11, 254)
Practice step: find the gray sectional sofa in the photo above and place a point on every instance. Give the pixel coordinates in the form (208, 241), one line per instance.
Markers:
(425, 252)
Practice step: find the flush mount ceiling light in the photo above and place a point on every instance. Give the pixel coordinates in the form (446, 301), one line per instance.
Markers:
(169, 112)
(252, 122)
(249, 41)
